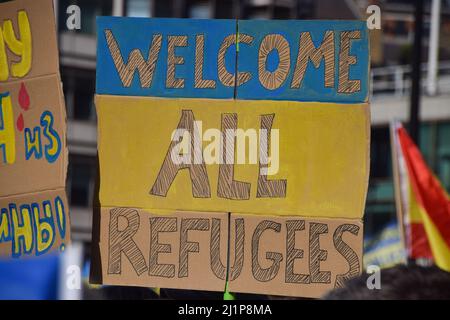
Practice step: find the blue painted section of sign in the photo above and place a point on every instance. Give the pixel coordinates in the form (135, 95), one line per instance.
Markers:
(312, 87)
(137, 33)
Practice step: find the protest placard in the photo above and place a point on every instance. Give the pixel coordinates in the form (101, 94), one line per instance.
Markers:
(34, 216)
(259, 128)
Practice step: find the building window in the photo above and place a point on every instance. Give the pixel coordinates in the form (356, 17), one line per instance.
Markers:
(435, 147)
(90, 9)
(443, 154)
(380, 206)
(380, 153)
(79, 89)
(305, 9)
(226, 9)
(81, 180)
(138, 8)
(199, 9)
(164, 9)
(257, 13)
(280, 12)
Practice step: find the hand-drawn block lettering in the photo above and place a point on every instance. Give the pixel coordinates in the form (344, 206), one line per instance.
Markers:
(239, 241)
(22, 230)
(316, 255)
(7, 132)
(169, 170)
(259, 273)
(5, 225)
(4, 67)
(242, 76)
(157, 225)
(22, 47)
(122, 241)
(199, 82)
(173, 60)
(345, 60)
(307, 51)
(45, 227)
(228, 187)
(216, 265)
(293, 226)
(347, 252)
(225, 77)
(268, 188)
(189, 246)
(145, 69)
(274, 79)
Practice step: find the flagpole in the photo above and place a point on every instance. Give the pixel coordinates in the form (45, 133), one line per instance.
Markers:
(396, 178)
(433, 48)
(416, 63)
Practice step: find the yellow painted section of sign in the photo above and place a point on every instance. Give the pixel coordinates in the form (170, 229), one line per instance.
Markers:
(323, 155)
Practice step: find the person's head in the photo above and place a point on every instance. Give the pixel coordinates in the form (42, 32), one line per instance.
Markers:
(397, 283)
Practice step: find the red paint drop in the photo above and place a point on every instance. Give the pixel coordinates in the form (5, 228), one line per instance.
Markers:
(24, 98)
(20, 123)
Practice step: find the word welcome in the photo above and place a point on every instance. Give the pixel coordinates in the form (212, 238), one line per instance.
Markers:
(270, 80)
(315, 60)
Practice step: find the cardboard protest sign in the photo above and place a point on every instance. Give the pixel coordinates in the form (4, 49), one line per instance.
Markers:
(182, 58)
(270, 254)
(293, 255)
(34, 216)
(164, 249)
(314, 173)
(324, 61)
(281, 144)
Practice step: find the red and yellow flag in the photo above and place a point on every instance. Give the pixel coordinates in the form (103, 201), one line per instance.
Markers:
(427, 209)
